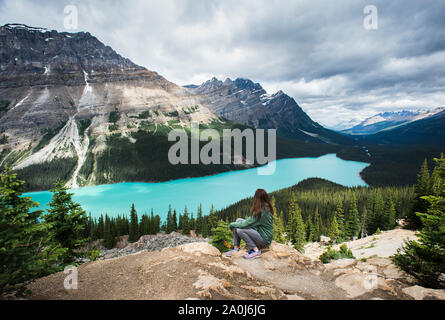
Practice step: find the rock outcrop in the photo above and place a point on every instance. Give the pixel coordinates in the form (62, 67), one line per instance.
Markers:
(198, 271)
(62, 94)
(247, 102)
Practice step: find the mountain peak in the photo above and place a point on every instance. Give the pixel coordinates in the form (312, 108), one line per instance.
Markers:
(21, 26)
(52, 57)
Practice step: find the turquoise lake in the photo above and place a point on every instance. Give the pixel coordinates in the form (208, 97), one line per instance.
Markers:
(221, 190)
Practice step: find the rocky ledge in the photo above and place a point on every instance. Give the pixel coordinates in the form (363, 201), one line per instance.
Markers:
(199, 271)
(149, 243)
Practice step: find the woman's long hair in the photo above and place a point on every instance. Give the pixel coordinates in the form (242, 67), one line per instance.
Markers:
(260, 200)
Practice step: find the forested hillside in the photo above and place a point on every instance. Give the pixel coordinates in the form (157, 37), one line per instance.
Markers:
(318, 201)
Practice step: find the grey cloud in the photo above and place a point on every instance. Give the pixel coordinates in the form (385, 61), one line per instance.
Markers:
(316, 51)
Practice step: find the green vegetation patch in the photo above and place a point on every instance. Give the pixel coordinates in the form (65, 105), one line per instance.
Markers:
(113, 127)
(44, 176)
(147, 126)
(174, 123)
(331, 254)
(172, 114)
(48, 134)
(3, 139)
(114, 116)
(144, 115)
(4, 105)
(190, 110)
(83, 125)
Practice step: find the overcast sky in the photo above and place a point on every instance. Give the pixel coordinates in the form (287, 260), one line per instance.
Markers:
(316, 51)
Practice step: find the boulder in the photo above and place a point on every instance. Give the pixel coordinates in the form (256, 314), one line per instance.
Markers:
(421, 293)
(199, 248)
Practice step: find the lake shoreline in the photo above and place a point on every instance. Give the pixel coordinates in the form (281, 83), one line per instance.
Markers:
(220, 189)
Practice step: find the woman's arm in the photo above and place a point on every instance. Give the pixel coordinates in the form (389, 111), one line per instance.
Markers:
(243, 224)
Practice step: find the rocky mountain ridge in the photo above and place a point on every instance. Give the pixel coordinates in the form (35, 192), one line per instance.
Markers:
(60, 91)
(247, 102)
(389, 120)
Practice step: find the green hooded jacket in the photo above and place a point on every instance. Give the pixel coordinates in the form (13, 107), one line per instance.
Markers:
(263, 226)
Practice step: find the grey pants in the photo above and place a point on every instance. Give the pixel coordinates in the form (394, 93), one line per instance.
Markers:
(250, 236)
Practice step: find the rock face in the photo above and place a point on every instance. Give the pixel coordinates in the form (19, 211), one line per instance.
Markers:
(60, 91)
(247, 102)
(199, 271)
(62, 95)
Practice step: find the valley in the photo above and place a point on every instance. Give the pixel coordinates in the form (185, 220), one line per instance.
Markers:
(109, 167)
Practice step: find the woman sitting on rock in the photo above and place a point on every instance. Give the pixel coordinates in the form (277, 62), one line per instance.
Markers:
(257, 230)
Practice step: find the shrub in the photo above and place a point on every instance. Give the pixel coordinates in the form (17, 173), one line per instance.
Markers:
(113, 127)
(331, 254)
(94, 254)
(221, 237)
(144, 115)
(114, 116)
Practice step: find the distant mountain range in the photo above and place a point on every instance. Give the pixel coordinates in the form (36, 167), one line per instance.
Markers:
(73, 109)
(244, 101)
(427, 128)
(386, 121)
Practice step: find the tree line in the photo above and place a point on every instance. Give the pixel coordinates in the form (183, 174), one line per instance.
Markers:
(316, 207)
(34, 243)
(425, 259)
(110, 228)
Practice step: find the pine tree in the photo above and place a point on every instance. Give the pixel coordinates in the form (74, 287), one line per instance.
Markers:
(192, 223)
(212, 219)
(180, 226)
(109, 239)
(134, 225)
(22, 238)
(334, 231)
(169, 223)
(422, 188)
(199, 221)
(205, 228)
(340, 217)
(436, 181)
(390, 215)
(352, 223)
(185, 222)
(364, 223)
(290, 227)
(377, 219)
(152, 223)
(425, 259)
(299, 238)
(296, 228)
(66, 220)
(99, 231)
(157, 224)
(316, 226)
(309, 229)
(278, 228)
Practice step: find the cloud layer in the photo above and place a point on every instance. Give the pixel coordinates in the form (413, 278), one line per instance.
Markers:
(316, 51)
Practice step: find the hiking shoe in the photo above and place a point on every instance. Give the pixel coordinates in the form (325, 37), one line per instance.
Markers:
(229, 253)
(252, 254)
